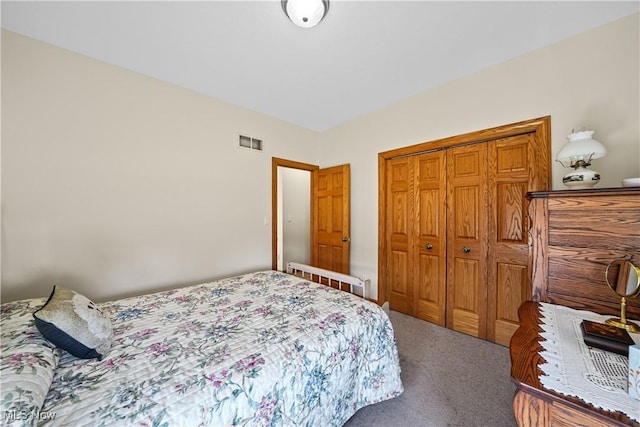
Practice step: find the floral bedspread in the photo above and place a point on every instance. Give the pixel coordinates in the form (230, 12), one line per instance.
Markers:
(261, 349)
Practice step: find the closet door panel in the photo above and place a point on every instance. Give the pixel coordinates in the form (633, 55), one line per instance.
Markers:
(465, 316)
(467, 203)
(511, 293)
(509, 168)
(430, 243)
(400, 211)
(511, 218)
(466, 239)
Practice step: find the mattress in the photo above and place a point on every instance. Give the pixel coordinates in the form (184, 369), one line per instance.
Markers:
(265, 348)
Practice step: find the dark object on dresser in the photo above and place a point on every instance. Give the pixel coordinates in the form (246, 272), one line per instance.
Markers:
(606, 337)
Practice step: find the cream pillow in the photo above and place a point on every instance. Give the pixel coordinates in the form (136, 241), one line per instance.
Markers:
(74, 323)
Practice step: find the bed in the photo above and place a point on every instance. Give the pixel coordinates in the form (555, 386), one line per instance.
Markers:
(264, 348)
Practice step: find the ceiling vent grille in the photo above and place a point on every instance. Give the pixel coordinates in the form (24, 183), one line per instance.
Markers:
(250, 143)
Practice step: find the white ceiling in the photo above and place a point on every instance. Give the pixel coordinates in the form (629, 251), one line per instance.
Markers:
(363, 56)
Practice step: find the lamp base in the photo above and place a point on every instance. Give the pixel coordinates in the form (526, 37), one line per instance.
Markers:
(629, 326)
(581, 178)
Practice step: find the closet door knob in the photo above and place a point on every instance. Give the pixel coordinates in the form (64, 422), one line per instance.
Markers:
(428, 246)
(466, 249)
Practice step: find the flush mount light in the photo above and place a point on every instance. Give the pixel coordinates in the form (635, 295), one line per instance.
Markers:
(305, 13)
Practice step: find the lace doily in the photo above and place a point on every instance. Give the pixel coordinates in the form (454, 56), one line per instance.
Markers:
(572, 368)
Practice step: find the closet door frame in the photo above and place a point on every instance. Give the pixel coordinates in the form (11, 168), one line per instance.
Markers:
(540, 128)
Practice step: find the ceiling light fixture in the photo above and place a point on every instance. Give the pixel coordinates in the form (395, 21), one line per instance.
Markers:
(305, 13)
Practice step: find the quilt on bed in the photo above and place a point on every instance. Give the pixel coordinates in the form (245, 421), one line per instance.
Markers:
(265, 348)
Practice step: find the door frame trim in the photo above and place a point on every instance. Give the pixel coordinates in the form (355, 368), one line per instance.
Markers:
(292, 164)
(540, 126)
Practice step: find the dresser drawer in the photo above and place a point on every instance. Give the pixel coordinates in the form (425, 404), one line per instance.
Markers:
(575, 235)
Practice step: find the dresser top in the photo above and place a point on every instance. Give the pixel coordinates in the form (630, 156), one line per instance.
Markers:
(525, 349)
(618, 191)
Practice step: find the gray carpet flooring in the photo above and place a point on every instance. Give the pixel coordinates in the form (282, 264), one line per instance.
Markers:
(449, 378)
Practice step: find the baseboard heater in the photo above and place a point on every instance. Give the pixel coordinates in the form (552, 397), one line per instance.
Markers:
(328, 277)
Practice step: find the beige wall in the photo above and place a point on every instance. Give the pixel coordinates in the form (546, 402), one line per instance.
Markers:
(114, 183)
(589, 80)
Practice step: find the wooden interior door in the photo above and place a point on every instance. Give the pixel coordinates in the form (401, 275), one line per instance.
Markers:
(399, 190)
(430, 246)
(330, 240)
(512, 169)
(467, 239)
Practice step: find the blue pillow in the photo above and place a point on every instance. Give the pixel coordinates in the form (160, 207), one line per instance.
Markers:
(73, 322)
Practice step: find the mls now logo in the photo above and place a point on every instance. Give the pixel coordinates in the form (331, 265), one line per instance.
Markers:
(26, 415)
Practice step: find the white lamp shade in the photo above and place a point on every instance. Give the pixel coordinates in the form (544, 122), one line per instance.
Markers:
(581, 146)
(305, 13)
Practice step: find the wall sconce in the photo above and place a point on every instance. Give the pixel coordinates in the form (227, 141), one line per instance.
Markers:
(577, 154)
(305, 13)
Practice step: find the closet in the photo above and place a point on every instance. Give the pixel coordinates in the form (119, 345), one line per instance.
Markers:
(453, 232)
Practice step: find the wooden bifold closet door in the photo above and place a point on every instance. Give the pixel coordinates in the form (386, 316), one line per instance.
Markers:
(467, 239)
(417, 235)
(517, 165)
(454, 219)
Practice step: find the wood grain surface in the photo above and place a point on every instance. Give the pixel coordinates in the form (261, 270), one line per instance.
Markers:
(534, 405)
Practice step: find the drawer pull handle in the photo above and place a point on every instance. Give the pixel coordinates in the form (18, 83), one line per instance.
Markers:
(466, 249)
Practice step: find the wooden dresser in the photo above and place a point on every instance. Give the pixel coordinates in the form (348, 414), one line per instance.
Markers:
(574, 235)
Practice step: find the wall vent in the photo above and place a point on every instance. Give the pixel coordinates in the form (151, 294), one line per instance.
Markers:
(250, 143)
